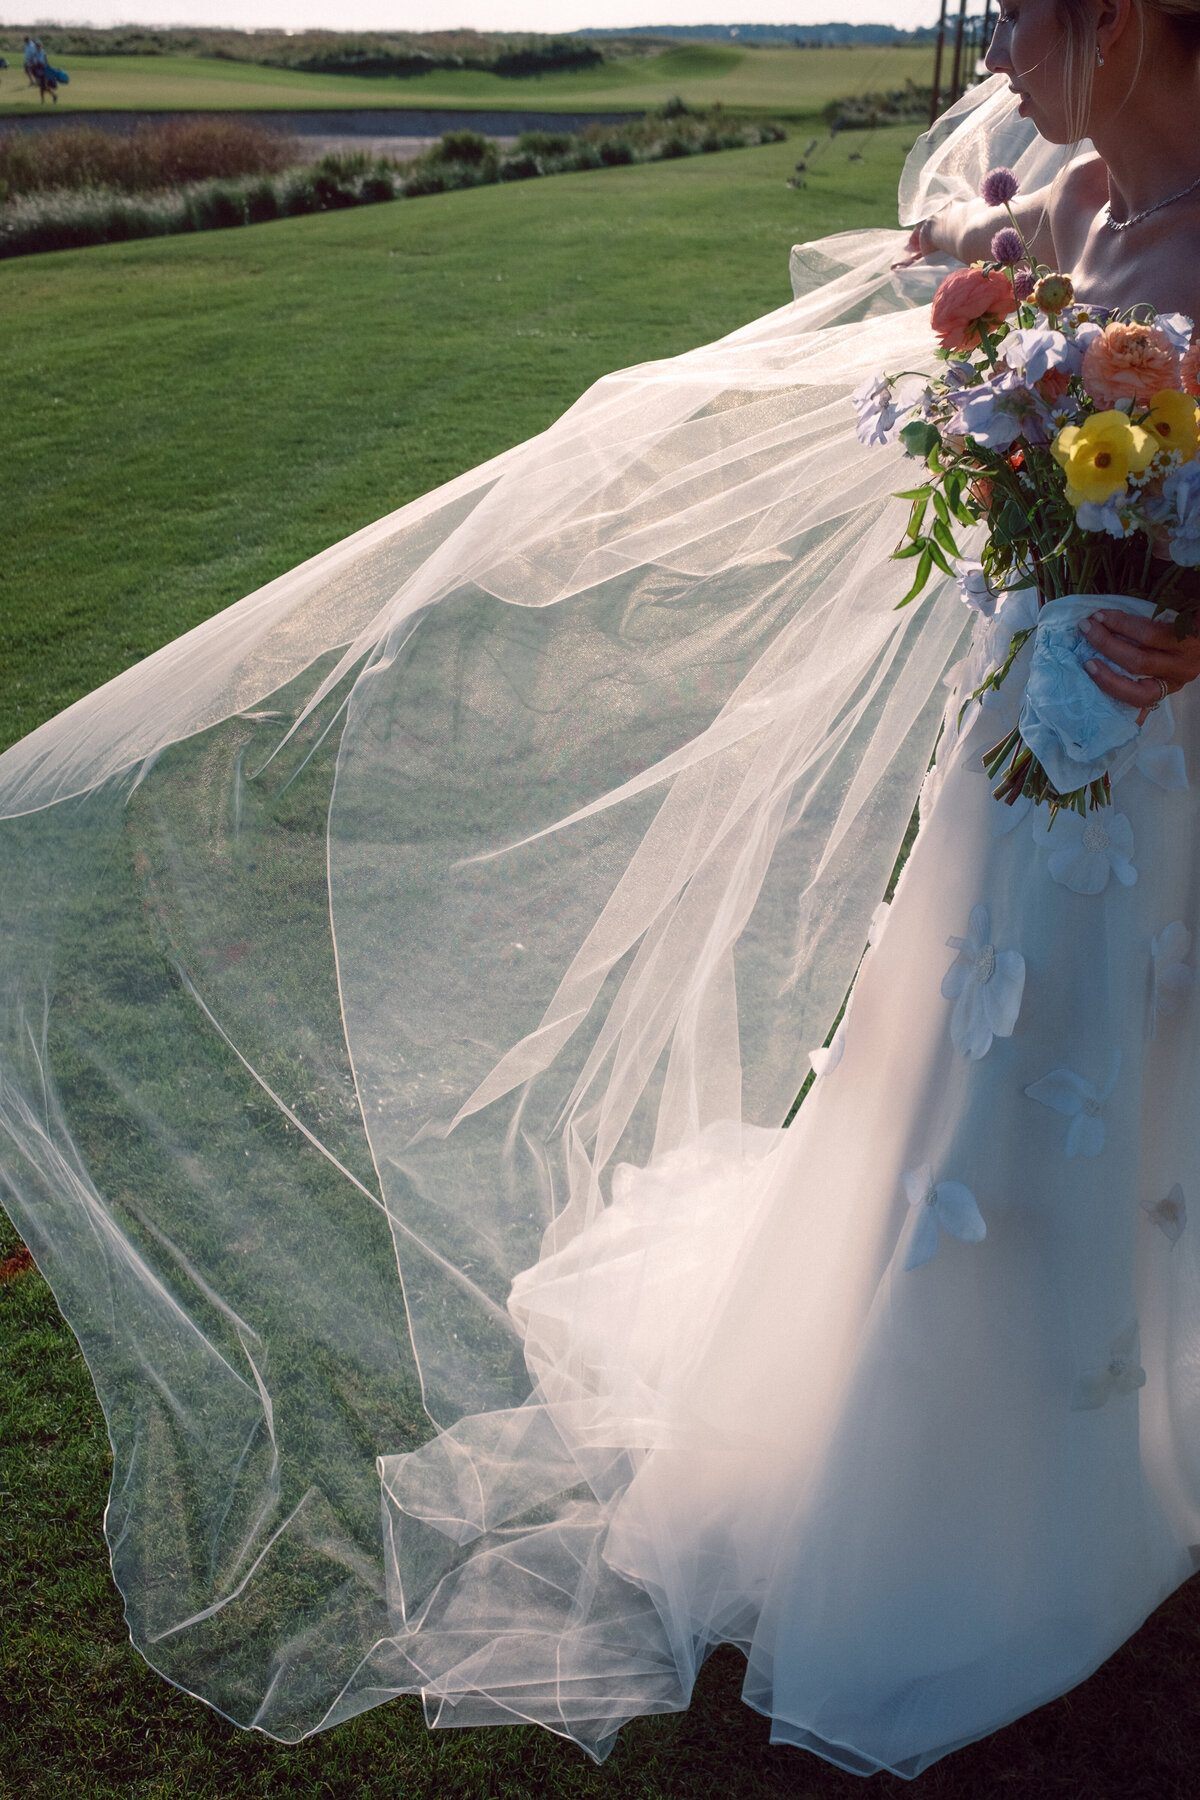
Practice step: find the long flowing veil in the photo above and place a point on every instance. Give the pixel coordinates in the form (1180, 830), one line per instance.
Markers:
(353, 941)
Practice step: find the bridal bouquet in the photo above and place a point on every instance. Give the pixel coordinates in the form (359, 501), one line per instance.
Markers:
(1073, 433)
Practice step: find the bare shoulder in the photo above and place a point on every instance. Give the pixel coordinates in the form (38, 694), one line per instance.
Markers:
(1082, 181)
(1078, 193)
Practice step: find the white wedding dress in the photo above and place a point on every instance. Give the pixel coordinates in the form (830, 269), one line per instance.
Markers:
(403, 982)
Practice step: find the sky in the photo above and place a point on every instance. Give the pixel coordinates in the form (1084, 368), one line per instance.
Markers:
(483, 15)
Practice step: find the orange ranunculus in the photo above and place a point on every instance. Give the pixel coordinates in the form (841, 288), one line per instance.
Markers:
(1053, 385)
(1129, 362)
(967, 299)
(1189, 368)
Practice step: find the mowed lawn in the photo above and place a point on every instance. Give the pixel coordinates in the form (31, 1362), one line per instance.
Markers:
(185, 419)
(787, 81)
(188, 417)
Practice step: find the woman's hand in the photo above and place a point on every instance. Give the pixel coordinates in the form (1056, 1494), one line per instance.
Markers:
(1148, 650)
(920, 244)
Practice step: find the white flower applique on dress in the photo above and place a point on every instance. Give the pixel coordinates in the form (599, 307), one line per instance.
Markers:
(1173, 977)
(986, 986)
(1084, 852)
(1121, 1374)
(825, 1060)
(1006, 818)
(1065, 1092)
(1169, 1214)
(1157, 758)
(944, 1206)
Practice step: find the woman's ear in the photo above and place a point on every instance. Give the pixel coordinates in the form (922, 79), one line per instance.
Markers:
(1113, 19)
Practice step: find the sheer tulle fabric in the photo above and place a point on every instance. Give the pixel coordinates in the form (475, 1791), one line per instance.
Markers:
(405, 976)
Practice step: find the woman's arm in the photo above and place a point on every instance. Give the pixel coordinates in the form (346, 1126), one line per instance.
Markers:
(966, 228)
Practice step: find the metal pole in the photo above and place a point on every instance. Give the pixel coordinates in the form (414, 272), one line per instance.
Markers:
(987, 29)
(955, 89)
(937, 65)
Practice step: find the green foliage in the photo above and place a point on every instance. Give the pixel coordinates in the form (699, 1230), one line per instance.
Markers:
(469, 147)
(867, 112)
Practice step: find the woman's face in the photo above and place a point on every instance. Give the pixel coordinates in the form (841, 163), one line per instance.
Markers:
(1030, 47)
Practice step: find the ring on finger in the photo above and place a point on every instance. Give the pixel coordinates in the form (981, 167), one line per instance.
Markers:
(1163, 691)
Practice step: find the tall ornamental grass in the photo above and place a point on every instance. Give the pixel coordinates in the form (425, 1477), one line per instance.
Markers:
(69, 215)
(72, 158)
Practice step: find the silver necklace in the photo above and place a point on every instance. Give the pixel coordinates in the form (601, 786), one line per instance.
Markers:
(1136, 218)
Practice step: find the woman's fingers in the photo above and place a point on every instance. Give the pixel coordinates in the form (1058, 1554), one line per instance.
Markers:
(1148, 652)
(913, 250)
(1143, 649)
(1134, 625)
(1140, 693)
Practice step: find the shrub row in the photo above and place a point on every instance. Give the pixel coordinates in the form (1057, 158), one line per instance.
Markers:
(149, 158)
(866, 111)
(64, 219)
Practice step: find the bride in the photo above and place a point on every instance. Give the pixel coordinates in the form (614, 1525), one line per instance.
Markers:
(406, 975)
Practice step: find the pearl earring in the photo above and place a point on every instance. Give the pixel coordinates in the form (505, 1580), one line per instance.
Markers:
(1099, 58)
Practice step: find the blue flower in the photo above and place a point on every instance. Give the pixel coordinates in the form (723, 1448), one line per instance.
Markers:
(883, 410)
(1036, 350)
(1181, 495)
(1091, 516)
(999, 411)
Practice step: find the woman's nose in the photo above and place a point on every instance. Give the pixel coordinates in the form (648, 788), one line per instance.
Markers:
(997, 58)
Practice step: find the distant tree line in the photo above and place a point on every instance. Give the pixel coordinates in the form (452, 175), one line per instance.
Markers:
(324, 52)
(807, 37)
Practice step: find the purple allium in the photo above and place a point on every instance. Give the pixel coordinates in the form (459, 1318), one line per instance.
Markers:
(1007, 247)
(1023, 285)
(999, 186)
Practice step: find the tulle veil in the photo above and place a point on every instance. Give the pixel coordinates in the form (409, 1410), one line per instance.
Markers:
(358, 944)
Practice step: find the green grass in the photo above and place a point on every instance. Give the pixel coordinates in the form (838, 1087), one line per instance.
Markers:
(191, 416)
(188, 418)
(779, 81)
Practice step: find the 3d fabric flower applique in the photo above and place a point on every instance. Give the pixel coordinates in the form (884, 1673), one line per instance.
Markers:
(1169, 1214)
(1084, 852)
(944, 1206)
(985, 984)
(1065, 1092)
(1006, 818)
(825, 1060)
(1157, 758)
(1172, 975)
(1121, 1374)
(1163, 764)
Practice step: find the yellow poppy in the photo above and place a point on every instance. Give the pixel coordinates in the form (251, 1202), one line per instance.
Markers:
(1175, 420)
(1100, 455)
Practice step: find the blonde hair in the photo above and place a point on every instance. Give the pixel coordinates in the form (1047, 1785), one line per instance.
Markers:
(1078, 22)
